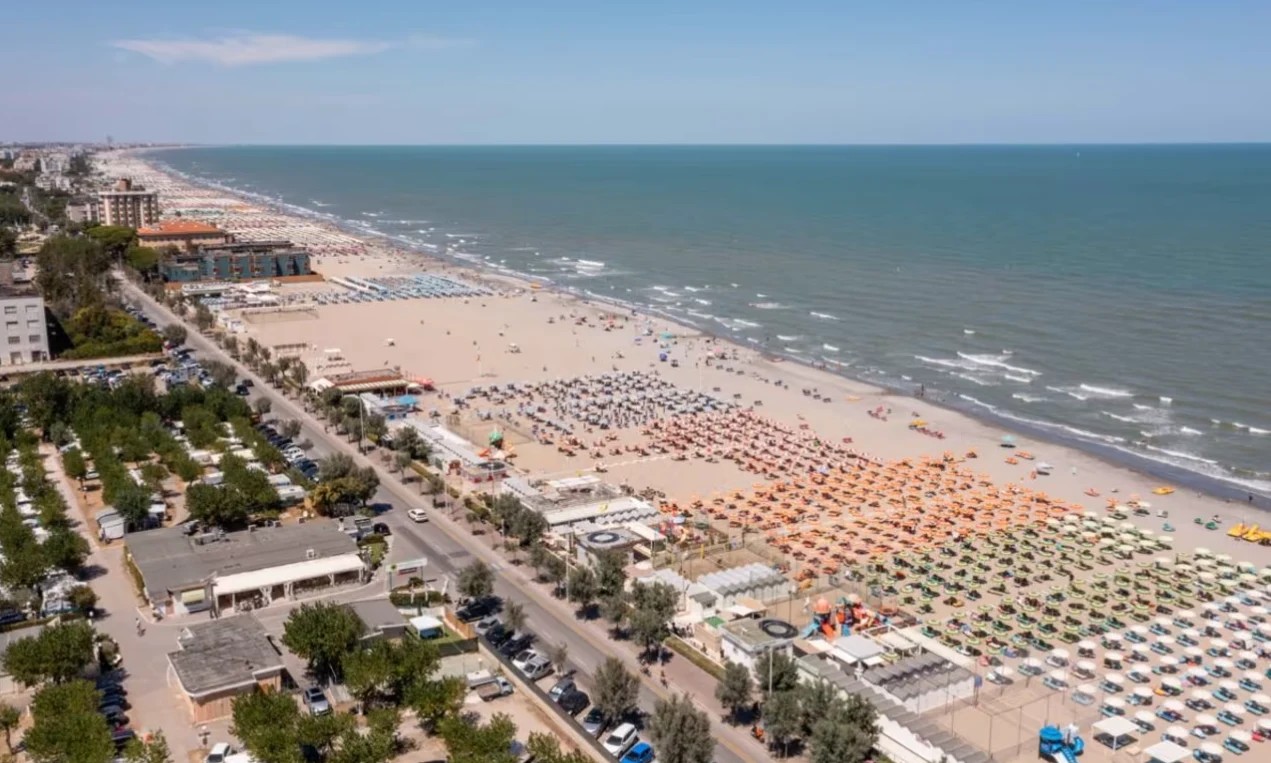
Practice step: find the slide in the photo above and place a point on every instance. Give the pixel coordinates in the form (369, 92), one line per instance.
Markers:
(828, 629)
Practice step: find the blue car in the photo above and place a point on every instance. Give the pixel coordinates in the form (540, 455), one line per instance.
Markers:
(641, 753)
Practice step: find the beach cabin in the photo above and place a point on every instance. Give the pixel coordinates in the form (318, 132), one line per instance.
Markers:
(427, 627)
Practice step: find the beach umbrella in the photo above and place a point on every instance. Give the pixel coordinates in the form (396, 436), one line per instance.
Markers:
(1085, 646)
(1085, 667)
(1264, 725)
(1116, 679)
(1172, 682)
(1243, 737)
(1164, 623)
(1264, 629)
(1058, 675)
(1166, 641)
(1193, 652)
(1185, 615)
(1173, 706)
(1140, 630)
(1218, 645)
(1234, 709)
(1143, 693)
(1202, 551)
(1261, 699)
(1253, 677)
(1169, 661)
(1229, 686)
(1224, 663)
(1202, 696)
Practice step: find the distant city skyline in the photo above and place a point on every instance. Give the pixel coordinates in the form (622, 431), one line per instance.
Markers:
(567, 72)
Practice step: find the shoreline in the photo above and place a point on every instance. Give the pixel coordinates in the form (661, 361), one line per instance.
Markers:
(1183, 480)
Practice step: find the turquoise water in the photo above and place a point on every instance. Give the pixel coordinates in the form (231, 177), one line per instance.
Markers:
(1119, 297)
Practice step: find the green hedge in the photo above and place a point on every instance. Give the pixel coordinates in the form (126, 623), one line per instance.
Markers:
(696, 657)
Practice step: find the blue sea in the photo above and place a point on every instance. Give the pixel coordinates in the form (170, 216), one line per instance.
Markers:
(1115, 297)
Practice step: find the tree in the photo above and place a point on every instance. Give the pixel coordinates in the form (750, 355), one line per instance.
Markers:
(654, 605)
(545, 748)
(290, 429)
(8, 242)
(144, 260)
(154, 751)
(59, 434)
(153, 474)
(65, 549)
(476, 581)
(514, 616)
(616, 690)
(67, 727)
(615, 610)
(114, 239)
(336, 466)
(58, 654)
(375, 427)
(262, 406)
(175, 334)
(368, 672)
(680, 732)
(816, 700)
(216, 506)
(734, 690)
(83, 598)
(775, 672)
(203, 318)
(436, 699)
(846, 734)
(321, 732)
(470, 742)
(223, 374)
(402, 460)
(10, 719)
(323, 634)
(24, 566)
(611, 573)
(582, 586)
(267, 723)
(73, 463)
(781, 717)
(558, 655)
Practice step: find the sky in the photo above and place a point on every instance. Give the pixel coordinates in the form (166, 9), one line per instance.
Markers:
(574, 72)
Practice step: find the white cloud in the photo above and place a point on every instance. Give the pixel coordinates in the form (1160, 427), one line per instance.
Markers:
(243, 49)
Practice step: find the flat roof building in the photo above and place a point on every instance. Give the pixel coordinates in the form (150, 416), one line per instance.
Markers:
(218, 570)
(128, 205)
(25, 337)
(237, 261)
(381, 618)
(185, 235)
(222, 659)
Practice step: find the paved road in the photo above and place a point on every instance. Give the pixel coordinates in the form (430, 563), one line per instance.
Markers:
(449, 547)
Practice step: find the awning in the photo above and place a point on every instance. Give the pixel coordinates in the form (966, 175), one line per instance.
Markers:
(287, 573)
(1166, 752)
(193, 596)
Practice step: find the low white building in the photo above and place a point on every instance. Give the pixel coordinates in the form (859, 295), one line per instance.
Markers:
(752, 581)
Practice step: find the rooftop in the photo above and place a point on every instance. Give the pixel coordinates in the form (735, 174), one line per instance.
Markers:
(755, 634)
(377, 614)
(177, 227)
(171, 561)
(224, 654)
(742, 578)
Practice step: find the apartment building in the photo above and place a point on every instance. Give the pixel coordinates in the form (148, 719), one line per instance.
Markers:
(25, 337)
(128, 205)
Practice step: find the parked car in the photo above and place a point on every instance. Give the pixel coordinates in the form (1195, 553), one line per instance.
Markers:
(498, 635)
(538, 667)
(121, 738)
(594, 722)
(499, 687)
(474, 610)
(574, 702)
(561, 688)
(316, 701)
(641, 753)
(620, 739)
(380, 528)
(516, 645)
(219, 752)
(484, 625)
(417, 515)
(523, 658)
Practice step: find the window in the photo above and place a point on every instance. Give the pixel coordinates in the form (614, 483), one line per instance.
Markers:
(15, 339)
(32, 325)
(31, 309)
(11, 326)
(10, 309)
(34, 339)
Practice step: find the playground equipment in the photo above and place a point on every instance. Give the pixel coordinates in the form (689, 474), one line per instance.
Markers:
(838, 619)
(1061, 745)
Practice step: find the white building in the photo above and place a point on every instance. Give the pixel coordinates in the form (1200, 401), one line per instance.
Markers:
(25, 337)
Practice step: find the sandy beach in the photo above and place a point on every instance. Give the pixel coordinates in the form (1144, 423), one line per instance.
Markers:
(463, 343)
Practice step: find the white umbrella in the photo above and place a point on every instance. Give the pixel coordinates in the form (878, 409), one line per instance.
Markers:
(1139, 630)
(1145, 718)
(1209, 748)
(1234, 709)
(1253, 676)
(1169, 661)
(1143, 692)
(1112, 657)
(1173, 705)
(1261, 699)
(1209, 606)
(1205, 719)
(1233, 601)
(1165, 640)
(1116, 679)
(1193, 651)
(1243, 737)
(1058, 675)
(1223, 559)
(1059, 654)
(1224, 663)
(1030, 662)
(1140, 649)
(1198, 673)
(1264, 629)
(1085, 646)
(1208, 577)
(1172, 682)
(1185, 614)
(1085, 666)
(1124, 549)
(1201, 695)
(1164, 622)
(1218, 644)
(1264, 725)
(1247, 655)
(1114, 702)
(1203, 551)
(1192, 634)
(1229, 686)
(1085, 689)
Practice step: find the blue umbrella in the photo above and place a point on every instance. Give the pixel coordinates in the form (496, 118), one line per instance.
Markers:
(1008, 439)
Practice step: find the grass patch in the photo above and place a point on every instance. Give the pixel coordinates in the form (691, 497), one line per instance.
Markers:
(697, 658)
